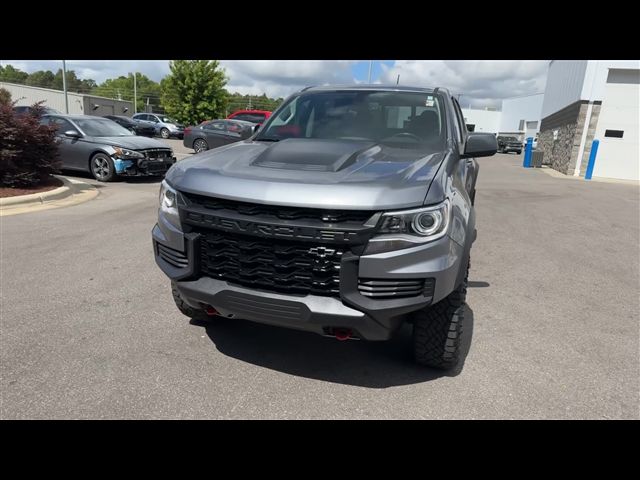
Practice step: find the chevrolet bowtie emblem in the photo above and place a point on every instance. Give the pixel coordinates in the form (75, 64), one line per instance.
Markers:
(321, 252)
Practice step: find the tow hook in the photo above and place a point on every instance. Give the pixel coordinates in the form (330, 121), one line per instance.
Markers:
(342, 334)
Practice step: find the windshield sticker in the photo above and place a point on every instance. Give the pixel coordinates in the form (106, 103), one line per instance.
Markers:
(429, 102)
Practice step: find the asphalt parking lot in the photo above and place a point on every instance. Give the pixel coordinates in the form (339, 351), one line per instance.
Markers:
(179, 150)
(89, 329)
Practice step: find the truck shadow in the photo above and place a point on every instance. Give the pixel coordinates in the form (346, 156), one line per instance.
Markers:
(354, 362)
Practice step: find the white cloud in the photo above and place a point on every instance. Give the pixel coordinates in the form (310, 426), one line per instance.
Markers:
(283, 77)
(479, 82)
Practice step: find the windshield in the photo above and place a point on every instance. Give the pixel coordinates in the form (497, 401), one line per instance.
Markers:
(168, 120)
(102, 127)
(408, 119)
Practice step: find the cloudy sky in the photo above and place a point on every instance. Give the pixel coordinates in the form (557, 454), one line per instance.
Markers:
(479, 83)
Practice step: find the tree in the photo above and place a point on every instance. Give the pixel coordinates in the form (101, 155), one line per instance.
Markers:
(74, 84)
(28, 151)
(194, 90)
(238, 101)
(41, 78)
(11, 74)
(122, 87)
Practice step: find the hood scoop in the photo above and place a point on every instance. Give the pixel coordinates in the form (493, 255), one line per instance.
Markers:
(312, 155)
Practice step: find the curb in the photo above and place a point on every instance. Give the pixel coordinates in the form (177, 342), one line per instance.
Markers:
(39, 198)
(556, 174)
(60, 196)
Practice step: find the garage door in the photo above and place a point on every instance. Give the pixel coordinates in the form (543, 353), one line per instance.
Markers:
(618, 127)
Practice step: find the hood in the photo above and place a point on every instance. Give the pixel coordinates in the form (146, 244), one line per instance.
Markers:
(133, 142)
(341, 174)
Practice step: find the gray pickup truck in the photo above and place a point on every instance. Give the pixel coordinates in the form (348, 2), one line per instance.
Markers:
(349, 213)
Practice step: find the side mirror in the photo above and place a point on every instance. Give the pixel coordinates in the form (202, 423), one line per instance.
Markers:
(256, 127)
(480, 145)
(72, 134)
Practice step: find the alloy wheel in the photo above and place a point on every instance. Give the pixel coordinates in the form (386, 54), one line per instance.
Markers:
(100, 167)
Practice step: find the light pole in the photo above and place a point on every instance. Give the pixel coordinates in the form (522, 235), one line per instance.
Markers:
(135, 93)
(370, 67)
(64, 86)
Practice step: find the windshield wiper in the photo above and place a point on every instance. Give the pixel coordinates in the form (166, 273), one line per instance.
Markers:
(267, 139)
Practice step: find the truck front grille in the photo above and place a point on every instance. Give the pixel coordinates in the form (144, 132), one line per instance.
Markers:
(380, 288)
(266, 212)
(291, 267)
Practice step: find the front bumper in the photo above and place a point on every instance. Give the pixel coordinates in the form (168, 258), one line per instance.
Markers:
(370, 318)
(143, 166)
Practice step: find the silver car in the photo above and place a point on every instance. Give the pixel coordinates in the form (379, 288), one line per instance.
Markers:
(105, 149)
(166, 127)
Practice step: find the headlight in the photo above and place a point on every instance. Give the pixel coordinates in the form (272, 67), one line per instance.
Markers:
(409, 228)
(168, 200)
(126, 153)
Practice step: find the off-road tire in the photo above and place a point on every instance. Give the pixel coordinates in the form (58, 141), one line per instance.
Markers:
(186, 309)
(437, 330)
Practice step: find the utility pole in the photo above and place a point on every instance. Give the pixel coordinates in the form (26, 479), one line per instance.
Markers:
(370, 67)
(135, 93)
(64, 87)
(398, 79)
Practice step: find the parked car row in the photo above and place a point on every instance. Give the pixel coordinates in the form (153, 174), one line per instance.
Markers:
(115, 145)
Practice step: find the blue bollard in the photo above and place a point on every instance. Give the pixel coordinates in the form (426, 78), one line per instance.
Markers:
(592, 159)
(527, 153)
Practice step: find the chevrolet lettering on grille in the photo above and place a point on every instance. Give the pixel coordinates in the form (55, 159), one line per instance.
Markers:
(271, 231)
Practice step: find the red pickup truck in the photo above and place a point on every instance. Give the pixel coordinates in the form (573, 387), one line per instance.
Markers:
(254, 116)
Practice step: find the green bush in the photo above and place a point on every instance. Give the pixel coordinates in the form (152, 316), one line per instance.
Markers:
(28, 151)
(5, 96)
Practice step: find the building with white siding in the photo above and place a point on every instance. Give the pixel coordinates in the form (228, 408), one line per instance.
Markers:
(78, 103)
(586, 100)
(481, 120)
(521, 116)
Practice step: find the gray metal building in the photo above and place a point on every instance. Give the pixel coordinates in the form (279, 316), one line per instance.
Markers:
(79, 104)
(587, 100)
